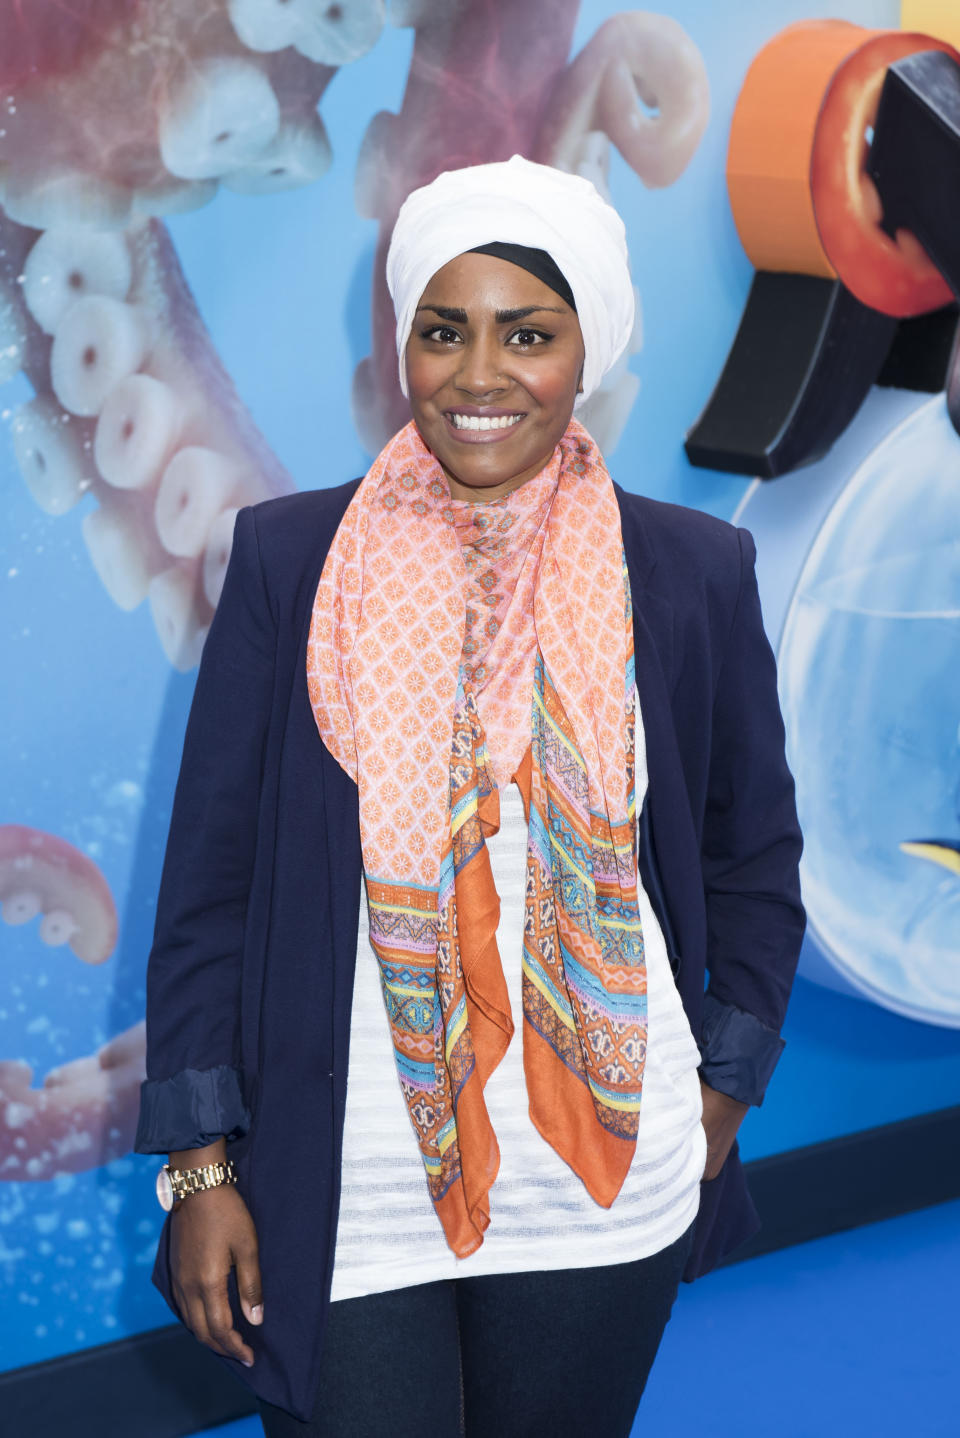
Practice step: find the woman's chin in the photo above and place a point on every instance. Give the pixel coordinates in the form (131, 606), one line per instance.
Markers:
(466, 484)
(477, 471)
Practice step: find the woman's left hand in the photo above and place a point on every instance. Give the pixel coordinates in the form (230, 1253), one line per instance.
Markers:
(722, 1116)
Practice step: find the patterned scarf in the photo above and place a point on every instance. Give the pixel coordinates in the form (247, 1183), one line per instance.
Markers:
(412, 639)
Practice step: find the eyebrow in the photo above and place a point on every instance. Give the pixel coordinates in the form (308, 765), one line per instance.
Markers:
(502, 317)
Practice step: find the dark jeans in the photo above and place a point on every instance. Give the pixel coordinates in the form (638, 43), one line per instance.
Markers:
(516, 1355)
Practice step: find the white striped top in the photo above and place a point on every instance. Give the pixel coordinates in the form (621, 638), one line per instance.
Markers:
(541, 1216)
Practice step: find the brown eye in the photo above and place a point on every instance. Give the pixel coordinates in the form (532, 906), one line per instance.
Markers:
(527, 338)
(442, 334)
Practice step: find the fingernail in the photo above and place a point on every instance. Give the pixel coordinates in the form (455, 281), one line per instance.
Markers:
(256, 1313)
(247, 1362)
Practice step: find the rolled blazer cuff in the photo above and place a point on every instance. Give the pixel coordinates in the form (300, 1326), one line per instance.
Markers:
(191, 1109)
(738, 1052)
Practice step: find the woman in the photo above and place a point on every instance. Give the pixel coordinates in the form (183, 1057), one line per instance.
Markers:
(442, 717)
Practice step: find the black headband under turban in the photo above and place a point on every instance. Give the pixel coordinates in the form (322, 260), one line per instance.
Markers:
(537, 262)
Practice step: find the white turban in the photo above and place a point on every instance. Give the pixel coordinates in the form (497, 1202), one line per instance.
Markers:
(520, 203)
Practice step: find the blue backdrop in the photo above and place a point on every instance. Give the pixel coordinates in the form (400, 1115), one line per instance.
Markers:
(102, 618)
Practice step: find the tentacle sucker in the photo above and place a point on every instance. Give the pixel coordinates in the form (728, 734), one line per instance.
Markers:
(641, 81)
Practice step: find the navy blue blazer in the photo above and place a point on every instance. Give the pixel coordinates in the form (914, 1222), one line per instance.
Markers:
(250, 977)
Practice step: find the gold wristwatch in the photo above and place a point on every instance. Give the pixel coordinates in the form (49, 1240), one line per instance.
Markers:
(173, 1184)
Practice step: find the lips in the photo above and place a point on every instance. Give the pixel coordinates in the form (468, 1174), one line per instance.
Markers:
(474, 425)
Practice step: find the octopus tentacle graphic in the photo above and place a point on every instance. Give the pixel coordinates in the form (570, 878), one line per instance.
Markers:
(85, 1111)
(83, 1115)
(115, 114)
(641, 83)
(42, 875)
(133, 405)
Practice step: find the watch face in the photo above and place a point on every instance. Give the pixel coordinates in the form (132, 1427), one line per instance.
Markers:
(164, 1190)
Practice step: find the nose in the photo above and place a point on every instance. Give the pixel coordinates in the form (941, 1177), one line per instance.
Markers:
(481, 363)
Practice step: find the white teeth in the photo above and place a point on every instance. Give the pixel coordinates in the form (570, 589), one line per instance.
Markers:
(98, 343)
(49, 449)
(137, 431)
(196, 485)
(336, 34)
(13, 334)
(68, 199)
(57, 927)
(476, 421)
(64, 265)
(299, 154)
(172, 603)
(179, 197)
(112, 544)
(21, 908)
(216, 556)
(263, 24)
(219, 117)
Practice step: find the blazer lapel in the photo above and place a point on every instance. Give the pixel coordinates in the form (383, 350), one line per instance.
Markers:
(666, 827)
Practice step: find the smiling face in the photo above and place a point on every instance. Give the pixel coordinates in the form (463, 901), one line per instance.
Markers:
(493, 365)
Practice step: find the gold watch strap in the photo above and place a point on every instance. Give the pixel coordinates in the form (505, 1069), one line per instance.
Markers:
(195, 1180)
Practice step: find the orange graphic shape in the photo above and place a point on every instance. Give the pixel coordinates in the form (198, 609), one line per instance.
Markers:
(802, 200)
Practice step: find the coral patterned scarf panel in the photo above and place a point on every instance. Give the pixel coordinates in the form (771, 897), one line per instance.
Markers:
(448, 653)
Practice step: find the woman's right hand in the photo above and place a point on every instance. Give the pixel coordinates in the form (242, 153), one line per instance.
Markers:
(210, 1232)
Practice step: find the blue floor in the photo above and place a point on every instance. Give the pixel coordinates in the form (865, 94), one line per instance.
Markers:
(852, 1335)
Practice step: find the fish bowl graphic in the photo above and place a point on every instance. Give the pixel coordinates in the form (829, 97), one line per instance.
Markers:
(869, 663)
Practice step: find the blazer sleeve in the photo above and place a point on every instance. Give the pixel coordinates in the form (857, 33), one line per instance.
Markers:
(194, 1089)
(750, 855)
